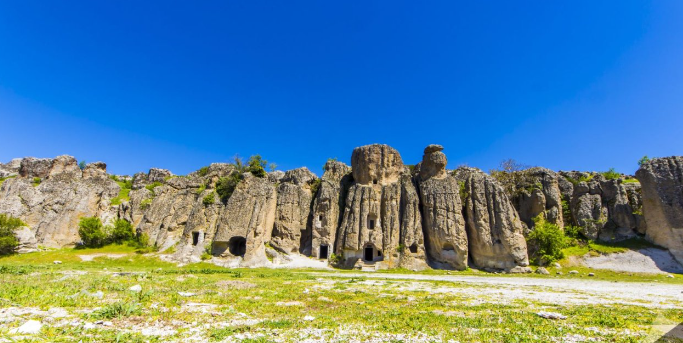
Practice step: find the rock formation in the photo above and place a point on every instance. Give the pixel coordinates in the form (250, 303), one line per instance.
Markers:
(494, 230)
(51, 195)
(662, 182)
(328, 207)
(372, 226)
(292, 233)
(378, 213)
(444, 225)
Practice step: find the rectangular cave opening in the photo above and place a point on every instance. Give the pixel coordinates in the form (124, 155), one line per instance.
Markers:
(371, 224)
(368, 253)
(195, 238)
(324, 251)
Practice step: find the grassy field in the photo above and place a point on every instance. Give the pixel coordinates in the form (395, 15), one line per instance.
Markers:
(92, 301)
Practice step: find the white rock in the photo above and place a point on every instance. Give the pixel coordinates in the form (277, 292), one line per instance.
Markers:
(306, 291)
(551, 315)
(573, 272)
(309, 318)
(136, 288)
(57, 262)
(670, 276)
(30, 327)
(186, 294)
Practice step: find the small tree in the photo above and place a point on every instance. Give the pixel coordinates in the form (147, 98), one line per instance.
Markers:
(81, 164)
(257, 166)
(546, 241)
(226, 185)
(8, 242)
(611, 174)
(122, 231)
(91, 231)
(643, 160)
(510, 174)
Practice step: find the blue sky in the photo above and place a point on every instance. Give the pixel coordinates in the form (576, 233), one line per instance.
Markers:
(580, 85)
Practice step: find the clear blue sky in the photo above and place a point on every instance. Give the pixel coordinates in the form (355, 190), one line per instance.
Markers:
(584, 85)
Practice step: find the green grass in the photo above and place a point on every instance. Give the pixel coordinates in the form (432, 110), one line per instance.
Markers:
(632, 180)
(2, 179)
(367, 310)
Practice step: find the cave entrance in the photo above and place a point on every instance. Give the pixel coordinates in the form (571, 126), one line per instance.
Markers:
(369, 253)
(324, 251)
(413, 249)
(237, 246)
(195, 238)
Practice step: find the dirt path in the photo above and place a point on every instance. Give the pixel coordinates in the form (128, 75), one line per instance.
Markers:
(546, 290)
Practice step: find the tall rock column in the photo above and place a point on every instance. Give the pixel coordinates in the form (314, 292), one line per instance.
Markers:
(443, 223)
(291, 230)
(328, 206)
(494, 230)
(662, 186)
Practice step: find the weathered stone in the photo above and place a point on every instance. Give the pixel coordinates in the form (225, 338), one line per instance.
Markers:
(10, 168)
(95, 170)
(291, 232)
(494, 230)
(328, 206)
(35, 167)
(433, 163)
(246, 222)
(376, 164)
(662, 187)
(538, 193)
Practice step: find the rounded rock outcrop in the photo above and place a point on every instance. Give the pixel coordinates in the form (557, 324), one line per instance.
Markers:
(376, 164)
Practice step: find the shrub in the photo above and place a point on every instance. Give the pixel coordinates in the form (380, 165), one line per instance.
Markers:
(2, 179)
(153, 185)
(510, 174)
(36, 181)
(8, 242)
(226, 185)
(91, 231)
(257, 166)
(547, 241)
(335, 259)
(643, 160)
(611, 174)
(81, 164)
(118, 310)
(315, 185)
(201, 188)
(122, 231)
(124, 190)
(203, 171)
(144, 204)
(209, 199)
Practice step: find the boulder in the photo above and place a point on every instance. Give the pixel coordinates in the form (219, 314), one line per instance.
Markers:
(10, 168)
(662, 188)
(538, 193)
(494, 230)
(35, 167)
(95, 170)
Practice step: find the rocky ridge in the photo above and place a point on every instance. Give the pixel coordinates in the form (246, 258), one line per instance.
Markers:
(376, 213)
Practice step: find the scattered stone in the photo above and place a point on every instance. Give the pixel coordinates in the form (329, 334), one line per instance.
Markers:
(57, 262)
(670, 276)
(558, 273)
(30, 327)
(551, 315)
(591, 274)
(542, 270)
(573, 272)
(325, 299)
(289, 303)
(306, 291)
(309, 318)
(136, 288)
(557, 265)
(186, 294)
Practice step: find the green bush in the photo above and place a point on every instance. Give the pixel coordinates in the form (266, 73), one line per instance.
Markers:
(611, 174)
(153, 185)
(203, 171)
(226, 185)
(36, 181)
(92, 232)
(315, 185)
(209, 199)
(546, 242)
(81, 165)
(8, 242)
(643, 160)
(257, 166)
(122, 232)
(144, 204)
(335, 259)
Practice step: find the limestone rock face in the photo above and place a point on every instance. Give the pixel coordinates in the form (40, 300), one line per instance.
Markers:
(494, 230)
(539, 194)
(376, 164)
(328, 206)
(291, 232)
(10, 168)
(53, 208)
(246, 222)
(435, 163)
(95, 170)
(443, 223)
(605, 209)
(662, 187)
